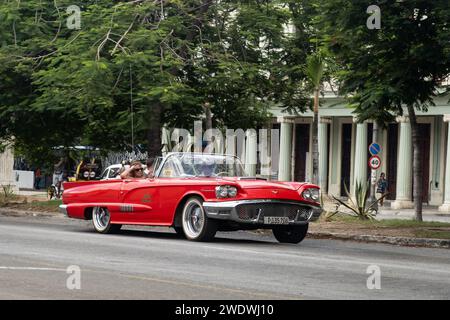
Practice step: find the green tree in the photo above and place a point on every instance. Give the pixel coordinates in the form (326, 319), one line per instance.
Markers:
(310, 66)
(165, 60)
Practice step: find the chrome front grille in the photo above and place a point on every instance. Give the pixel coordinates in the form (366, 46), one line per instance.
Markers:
(292, 211)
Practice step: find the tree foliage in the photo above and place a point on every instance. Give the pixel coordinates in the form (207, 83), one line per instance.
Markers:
(163, 58)
(400, 64)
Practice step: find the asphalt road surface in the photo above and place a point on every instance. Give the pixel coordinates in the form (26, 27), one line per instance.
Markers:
(153, 263)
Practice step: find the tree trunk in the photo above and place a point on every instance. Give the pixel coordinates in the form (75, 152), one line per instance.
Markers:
(417, 164)
(315, 140)
(208, 116)
(154, 131)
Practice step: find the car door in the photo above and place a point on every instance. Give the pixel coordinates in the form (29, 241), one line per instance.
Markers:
(140, 199)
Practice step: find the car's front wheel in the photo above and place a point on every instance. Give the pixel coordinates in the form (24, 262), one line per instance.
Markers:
(290, 234)
(196, 225)
(101, 219)
(179, 231)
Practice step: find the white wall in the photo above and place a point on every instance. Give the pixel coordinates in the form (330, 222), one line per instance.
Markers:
(24, 179)
(6, 168)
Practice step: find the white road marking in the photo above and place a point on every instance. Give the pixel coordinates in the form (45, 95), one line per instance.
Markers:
(31, 269)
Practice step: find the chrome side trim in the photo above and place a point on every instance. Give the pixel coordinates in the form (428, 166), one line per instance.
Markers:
(235, 203)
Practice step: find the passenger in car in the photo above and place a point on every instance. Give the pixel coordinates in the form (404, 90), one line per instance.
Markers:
(135, 171)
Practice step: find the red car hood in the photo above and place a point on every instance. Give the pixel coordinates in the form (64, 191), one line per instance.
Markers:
(247, 183)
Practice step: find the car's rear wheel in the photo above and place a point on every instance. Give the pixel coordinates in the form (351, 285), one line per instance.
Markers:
(101, 219)
(196, 225)
(290, 234)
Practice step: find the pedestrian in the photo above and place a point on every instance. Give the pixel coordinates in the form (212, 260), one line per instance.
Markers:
(382, 186)
(37, 178)
(58, 174)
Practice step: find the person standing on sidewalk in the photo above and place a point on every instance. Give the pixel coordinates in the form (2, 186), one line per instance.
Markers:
(37, 178)
(382, 185)
(58, 174)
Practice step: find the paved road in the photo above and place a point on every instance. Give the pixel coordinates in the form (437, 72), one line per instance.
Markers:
(152, 263)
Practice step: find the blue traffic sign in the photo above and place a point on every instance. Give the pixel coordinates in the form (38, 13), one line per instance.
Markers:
(374, 149)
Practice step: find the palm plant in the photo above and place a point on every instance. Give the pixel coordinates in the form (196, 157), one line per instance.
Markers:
(359, 206)
(314, 70)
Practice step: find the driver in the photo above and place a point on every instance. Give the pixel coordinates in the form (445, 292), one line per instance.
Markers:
(207, 170)
(135, 171)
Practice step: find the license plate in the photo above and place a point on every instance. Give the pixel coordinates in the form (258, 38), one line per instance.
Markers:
(276, 220)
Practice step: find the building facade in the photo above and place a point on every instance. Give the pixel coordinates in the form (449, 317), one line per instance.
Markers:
(344, 151)
(344, 154)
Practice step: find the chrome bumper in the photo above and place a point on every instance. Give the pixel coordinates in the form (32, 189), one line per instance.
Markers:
(63, 209)
(254, 211)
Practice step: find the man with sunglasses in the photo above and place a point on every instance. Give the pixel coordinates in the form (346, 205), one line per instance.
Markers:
(135, 171)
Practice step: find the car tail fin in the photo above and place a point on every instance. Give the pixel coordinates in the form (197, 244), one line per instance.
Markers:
(70, 185)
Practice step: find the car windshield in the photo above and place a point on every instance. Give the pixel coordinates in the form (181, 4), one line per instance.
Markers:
(202, 165)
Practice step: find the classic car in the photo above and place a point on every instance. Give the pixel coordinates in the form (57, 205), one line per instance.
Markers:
(197, 194)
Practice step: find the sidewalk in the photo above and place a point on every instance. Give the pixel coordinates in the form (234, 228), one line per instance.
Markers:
(39, 195)
(429, 213)
(28, 192)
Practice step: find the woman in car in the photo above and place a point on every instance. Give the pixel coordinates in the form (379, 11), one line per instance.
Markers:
(135, 171)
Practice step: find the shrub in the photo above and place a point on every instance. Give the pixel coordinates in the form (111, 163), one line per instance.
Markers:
(6, 194)
(359, 206)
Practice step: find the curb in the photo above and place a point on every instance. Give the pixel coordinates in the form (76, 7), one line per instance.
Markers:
(400, 241)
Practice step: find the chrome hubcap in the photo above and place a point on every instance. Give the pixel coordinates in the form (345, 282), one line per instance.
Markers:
(193, 219)
(101, 218)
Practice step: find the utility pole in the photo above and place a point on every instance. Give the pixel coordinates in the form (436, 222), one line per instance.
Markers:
(372, 197)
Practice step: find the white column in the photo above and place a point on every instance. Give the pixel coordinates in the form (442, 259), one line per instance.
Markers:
(6, 168)
(445, 207)
(323, 154)
(404, 181)
(361, 164)
(284, 169)
(166, 139)
(251, 152)
(264, 152)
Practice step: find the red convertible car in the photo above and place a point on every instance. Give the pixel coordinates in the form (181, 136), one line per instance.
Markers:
(197, 195)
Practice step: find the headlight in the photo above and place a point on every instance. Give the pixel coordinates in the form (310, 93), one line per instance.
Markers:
(307, 194)
(311, 194)
(315, 194)
(226, 192)
(221, 192)
(232, 192)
